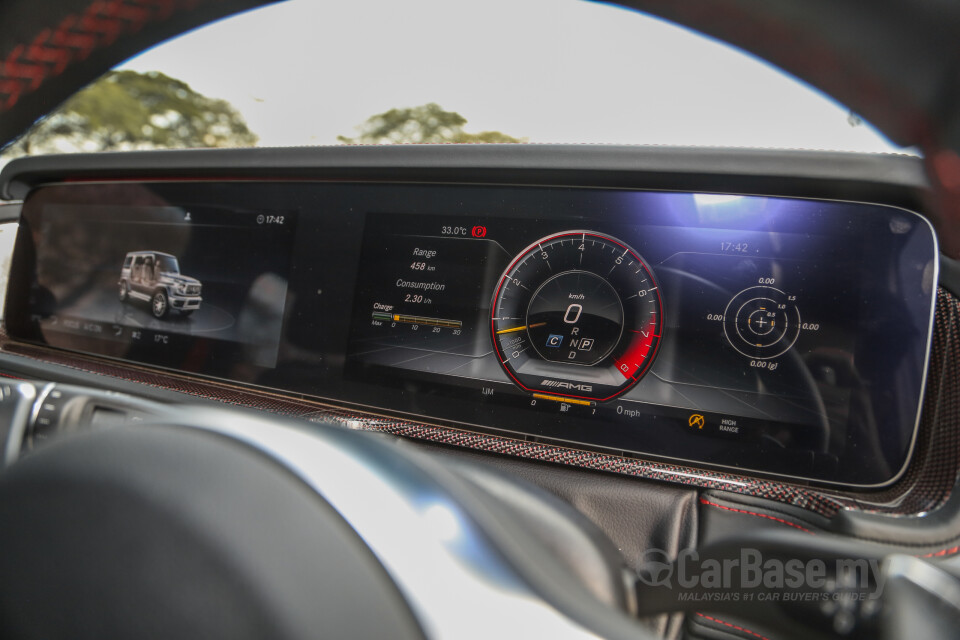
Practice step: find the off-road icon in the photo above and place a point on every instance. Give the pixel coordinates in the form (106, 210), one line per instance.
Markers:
(155, 277)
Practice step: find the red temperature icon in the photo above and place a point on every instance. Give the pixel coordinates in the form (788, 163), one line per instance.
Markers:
(478, 231)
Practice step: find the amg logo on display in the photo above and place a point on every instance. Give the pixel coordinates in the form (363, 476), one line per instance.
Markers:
(566, 385)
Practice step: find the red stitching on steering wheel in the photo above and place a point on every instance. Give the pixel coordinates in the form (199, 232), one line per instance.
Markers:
(27, 66)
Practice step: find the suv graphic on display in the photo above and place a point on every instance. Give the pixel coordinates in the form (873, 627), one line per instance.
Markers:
(155, 277)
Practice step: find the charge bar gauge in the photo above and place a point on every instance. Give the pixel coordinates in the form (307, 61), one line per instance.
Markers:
(417, 320)
(576, 316)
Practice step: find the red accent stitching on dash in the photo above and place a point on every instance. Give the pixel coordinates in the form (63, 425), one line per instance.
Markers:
(733, 626)
(942, 553)
(759, 515)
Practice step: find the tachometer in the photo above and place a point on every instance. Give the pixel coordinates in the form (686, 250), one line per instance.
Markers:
(577, 314)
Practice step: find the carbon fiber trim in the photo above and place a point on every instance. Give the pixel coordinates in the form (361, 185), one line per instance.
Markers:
(926, 485)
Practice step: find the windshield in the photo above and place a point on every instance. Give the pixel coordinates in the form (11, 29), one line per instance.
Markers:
(439, 71)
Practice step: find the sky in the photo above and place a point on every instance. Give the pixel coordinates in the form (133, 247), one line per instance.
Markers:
(558, 71)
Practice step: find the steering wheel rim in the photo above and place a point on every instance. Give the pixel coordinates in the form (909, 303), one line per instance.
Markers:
(442, 552)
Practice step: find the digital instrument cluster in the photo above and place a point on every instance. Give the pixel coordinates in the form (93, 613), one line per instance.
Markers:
(779, 336)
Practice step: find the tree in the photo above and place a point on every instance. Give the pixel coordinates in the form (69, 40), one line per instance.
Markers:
(426, 124)
(128, 110)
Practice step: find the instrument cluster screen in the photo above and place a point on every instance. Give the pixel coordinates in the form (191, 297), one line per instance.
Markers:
(778, 336)
(760, 331)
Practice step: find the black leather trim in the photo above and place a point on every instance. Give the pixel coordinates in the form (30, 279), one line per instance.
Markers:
(725, 514)
(700, 627)
(936, 535)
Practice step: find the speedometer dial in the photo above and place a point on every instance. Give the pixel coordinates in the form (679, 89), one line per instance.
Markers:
(578, 315)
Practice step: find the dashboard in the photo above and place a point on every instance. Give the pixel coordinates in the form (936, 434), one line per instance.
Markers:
(780, 336)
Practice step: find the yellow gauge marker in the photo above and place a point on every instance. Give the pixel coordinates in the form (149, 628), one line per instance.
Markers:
(543, 396)
(511, 330)
(532, 326)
